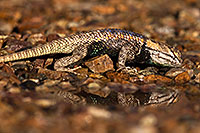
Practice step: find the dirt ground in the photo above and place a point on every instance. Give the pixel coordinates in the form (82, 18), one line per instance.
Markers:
(34, 98)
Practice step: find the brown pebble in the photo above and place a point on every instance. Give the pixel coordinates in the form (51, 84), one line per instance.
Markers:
(197, 79)
(157, 79)
(174, 72)
(182, 78)
(104, 10)
(100, 64)
(36, 38)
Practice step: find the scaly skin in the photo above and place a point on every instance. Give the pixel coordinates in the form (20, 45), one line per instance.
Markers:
(129, 46)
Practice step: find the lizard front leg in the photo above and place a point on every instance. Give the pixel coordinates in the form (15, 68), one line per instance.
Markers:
(126, 53)
(78, 54)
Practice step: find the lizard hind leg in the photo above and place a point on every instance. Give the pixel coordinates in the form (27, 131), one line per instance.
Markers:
(78, 54)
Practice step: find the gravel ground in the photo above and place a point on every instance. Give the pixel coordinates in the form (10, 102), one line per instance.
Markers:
(35, 99)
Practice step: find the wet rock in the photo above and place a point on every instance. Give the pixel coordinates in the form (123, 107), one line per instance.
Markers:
(182, 78)
(173, 72)
(69, 97)
(96, 87)
(157, 79)
(100, 64)
(67, 86)
(124, 88)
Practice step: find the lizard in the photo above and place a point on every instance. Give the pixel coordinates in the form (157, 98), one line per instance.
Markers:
(127, 45)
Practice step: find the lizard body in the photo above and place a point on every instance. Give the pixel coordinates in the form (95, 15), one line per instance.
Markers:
(129, 46)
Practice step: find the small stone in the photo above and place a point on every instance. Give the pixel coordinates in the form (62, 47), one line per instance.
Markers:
(39, 37)
(52, 37)
(5, 27)
(66, 86)
(47, 84)
(15, 45)
(28, 85)
(99, 112)
(188, 64)
(182, 78)
(3, 83)
(32, 23)
(149, 120)
(93, 86)
(54, 74)
(104, 10)
(44, 102)
(14, 90)
(38, 63)
(174, 72)
(96, 87)
(118, 77)
(157, 79)
(48, 62)
(197, 79)
(100, 64)
(82, 73)
(125, 88)
(148, 71)
(143, 129)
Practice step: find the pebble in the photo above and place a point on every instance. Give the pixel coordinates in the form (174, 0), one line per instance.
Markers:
(197, 79)
(174, 72)
(100, 64)
(36, 38)
(99, 112)
(157, 79)
(182, 78)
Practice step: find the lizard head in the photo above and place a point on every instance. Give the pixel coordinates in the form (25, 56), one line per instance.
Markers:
(164, 55)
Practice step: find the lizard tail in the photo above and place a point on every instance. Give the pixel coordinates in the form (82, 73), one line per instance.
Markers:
(34, 52)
